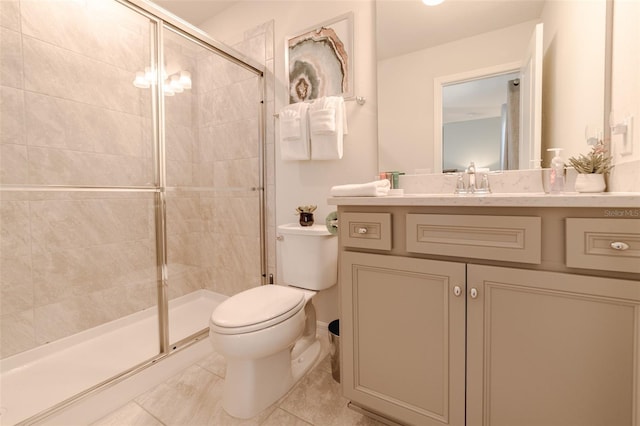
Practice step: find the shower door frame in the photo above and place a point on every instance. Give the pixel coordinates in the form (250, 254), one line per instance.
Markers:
(163, 20)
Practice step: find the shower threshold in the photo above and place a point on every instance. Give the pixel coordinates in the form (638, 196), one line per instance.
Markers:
(35, 380)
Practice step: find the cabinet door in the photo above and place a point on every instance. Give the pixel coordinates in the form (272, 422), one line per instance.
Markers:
(402, 337)
(547, 348)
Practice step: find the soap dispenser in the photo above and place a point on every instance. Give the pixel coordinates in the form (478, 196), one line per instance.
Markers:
(556, 175)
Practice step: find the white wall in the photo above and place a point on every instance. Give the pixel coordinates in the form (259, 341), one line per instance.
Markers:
(309, 182)
(472, 140)
(625, 96)
(412, 125)
(573, 75)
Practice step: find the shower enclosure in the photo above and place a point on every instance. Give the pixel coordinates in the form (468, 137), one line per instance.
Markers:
(131, 192)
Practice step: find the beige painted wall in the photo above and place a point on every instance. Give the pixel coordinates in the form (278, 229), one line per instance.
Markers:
(573, 75)
(625, 98)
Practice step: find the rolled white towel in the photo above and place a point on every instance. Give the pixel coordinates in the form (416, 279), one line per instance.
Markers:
(377, 188)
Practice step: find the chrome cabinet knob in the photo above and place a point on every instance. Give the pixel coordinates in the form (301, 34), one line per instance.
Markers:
(457, 290)
(362, 230)
(619, 245)
(473, 293)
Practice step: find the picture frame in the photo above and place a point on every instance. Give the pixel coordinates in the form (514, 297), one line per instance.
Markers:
(319, 61)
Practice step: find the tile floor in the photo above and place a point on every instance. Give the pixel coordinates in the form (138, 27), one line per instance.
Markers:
(194, 397)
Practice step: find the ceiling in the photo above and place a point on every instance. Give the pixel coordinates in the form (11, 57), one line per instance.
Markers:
(195, 11)
(405, 26)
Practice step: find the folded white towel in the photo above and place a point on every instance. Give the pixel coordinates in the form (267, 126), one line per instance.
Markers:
(290, 128)
(377, 188)
(322, 121)
(294, 132)
(327, 122)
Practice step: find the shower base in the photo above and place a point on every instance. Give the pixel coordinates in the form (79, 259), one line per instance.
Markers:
(40, 378)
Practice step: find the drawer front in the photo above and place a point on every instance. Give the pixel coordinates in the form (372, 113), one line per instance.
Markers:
(606, 244)
(365, 230)
(507, 238)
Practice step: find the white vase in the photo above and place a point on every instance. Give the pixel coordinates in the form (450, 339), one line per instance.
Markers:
(593, 182)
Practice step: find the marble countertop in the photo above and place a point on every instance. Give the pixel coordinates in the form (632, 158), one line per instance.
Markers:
(604, 200)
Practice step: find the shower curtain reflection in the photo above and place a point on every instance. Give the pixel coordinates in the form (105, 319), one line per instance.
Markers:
(510, 127)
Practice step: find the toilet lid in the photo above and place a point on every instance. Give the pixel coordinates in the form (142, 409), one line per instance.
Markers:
(258, 305)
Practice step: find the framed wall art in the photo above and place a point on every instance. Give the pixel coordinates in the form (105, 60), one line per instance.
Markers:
(319, 61)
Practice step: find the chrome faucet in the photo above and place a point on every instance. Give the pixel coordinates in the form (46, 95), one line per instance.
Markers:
(471, 171)
(471, 188)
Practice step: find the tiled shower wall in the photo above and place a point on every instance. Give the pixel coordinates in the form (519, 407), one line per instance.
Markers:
(258, 44)
(71, 260)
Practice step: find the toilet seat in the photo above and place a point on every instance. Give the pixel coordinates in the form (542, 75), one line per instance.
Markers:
(256, 309)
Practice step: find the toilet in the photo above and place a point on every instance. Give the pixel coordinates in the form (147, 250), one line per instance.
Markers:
(267, 334)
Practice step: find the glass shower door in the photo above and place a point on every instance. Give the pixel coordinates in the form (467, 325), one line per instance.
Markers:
(78, 199)
(213, 181)
(130, 184)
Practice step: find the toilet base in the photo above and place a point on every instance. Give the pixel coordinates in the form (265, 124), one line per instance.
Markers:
(302, 364)
(253, 385)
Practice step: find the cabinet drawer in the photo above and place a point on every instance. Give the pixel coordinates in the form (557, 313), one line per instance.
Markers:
(606, 244)
(507, 238)
(366, 230)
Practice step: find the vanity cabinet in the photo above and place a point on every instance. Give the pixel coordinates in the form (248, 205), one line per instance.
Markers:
(457, 340)
(546, 348)
(403, 333)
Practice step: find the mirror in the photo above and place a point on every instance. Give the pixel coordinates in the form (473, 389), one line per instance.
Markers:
(460, 37)
(480, 122)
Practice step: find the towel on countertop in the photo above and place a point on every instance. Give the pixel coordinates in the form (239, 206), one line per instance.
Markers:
(327, 125)
(377, 188)
(294, 133)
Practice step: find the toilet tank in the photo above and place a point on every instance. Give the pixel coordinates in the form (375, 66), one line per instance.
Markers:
(309, 256)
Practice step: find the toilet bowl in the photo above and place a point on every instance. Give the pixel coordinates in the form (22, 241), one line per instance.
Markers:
(267, 334)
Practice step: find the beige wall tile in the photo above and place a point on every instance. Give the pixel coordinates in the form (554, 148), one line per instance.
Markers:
(74, 77)
(57, 224)
(12, 113)
(74, 314)
(241, 173)
(184, 279)
(66, 167)
(54, 122)
(13, 164)
(10, 14)
(14, 229)
(180, 142)
(11, 61)
(233, 215)
(16, 289)
(17, 333)
(63, 273)
(105, 31)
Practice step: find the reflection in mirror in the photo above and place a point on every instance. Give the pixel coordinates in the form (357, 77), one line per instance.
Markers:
(480, 123)
(572, 85)
(520, 146)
